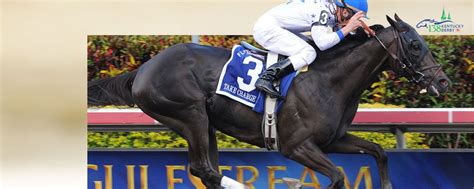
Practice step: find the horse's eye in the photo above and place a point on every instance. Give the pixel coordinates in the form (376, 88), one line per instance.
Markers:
(415, 45)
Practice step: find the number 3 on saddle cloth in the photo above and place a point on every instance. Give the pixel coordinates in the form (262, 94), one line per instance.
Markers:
(238, 77)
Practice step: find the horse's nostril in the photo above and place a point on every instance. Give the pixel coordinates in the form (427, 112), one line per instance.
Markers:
(443, 82)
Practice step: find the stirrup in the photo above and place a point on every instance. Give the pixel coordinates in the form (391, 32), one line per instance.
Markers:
(269, 124)
(269, 121)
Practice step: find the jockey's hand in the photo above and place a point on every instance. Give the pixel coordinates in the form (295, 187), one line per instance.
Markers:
(353, 23)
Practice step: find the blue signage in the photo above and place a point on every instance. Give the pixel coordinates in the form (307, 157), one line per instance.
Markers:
(169, 170)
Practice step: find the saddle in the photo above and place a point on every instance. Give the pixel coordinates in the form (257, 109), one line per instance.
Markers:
(253, 49)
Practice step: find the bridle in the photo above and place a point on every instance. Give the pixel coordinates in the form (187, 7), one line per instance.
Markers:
(405, 61)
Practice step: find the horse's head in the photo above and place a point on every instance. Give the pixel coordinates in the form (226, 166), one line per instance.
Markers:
(414, 60)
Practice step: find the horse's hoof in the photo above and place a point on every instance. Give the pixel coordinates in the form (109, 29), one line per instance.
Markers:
(229, 183)
(388, 186)
(292, 183)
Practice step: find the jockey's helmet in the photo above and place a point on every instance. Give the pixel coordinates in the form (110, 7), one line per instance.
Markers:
(355, 5)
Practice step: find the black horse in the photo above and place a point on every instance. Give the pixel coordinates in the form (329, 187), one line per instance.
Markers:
(177, 87)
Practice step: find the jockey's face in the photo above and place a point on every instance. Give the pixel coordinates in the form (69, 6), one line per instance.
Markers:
(343, 15)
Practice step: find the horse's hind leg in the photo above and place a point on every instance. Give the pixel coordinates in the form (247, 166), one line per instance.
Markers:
(309, 154)
(193, 125)
(199, 156)
(213, 151)
(352, 144)
(202, 150)
(206, 170)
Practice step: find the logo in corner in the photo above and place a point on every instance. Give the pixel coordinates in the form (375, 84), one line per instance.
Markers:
(446, 24)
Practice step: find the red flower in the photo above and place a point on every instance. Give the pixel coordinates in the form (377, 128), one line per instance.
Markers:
(109, 52)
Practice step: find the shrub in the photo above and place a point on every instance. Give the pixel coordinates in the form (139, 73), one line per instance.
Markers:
(162, 139)
(226, 41)
(111, 55)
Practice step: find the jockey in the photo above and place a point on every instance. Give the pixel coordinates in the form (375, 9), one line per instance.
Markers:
(275, 30)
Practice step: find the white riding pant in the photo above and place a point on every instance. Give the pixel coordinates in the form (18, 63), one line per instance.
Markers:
(282, 41)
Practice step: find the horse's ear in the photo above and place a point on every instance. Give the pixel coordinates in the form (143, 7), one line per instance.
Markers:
(393, 23)
(398, 18)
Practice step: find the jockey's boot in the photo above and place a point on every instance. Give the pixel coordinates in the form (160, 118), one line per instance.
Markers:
(272, 74)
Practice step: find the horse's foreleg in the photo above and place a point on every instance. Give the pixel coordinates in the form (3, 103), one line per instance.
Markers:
(352, 144)
(310, 155)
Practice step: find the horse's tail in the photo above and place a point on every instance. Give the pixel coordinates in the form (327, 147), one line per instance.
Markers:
(111, 91)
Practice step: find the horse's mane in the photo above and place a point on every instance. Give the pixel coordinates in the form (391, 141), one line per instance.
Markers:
(350, 42)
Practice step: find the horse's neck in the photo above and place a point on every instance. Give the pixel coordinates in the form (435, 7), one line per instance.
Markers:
(361, 66)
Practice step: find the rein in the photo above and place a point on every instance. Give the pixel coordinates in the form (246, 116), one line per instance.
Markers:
(417, 76)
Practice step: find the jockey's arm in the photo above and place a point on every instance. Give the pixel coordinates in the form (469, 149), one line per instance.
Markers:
(322, 22)
(324, 37)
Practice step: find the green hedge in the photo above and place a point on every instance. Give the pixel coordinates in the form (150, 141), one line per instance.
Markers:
(169, 139)
(111, 55)
(162, 139)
